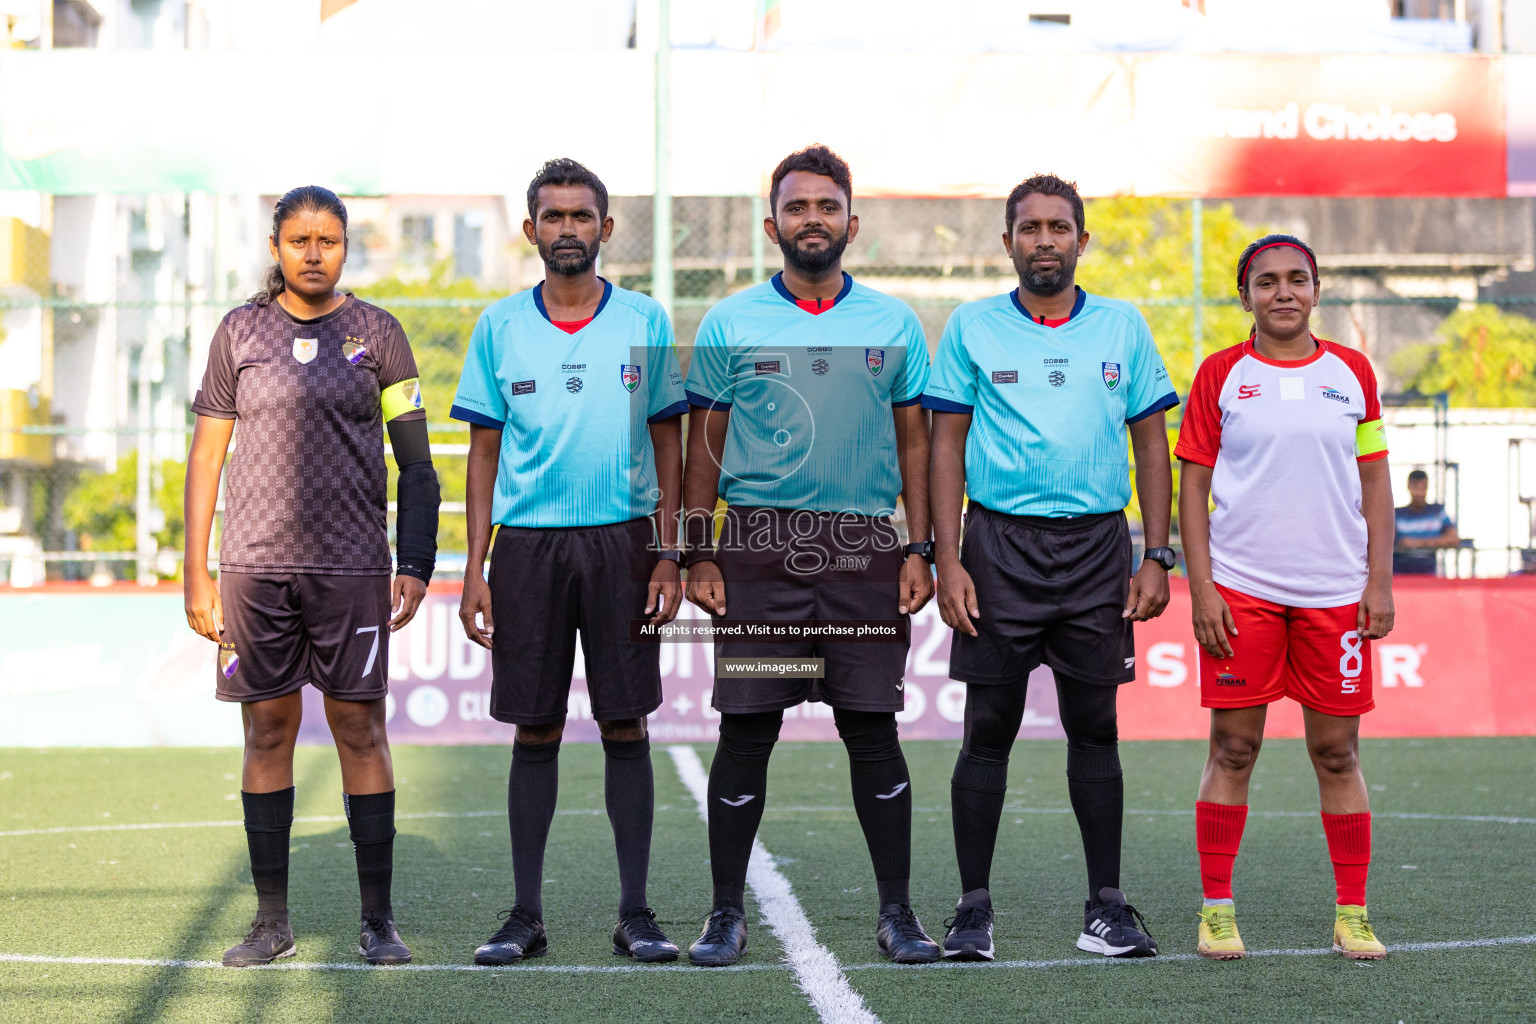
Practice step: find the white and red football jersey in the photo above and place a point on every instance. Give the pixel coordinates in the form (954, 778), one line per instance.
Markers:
(1284, 440)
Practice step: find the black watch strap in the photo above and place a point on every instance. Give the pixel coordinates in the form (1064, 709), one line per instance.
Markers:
(670, 556)
(1165, 557)
(924, 548)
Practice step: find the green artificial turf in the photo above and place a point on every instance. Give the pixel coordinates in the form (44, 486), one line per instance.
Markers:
(183, 894)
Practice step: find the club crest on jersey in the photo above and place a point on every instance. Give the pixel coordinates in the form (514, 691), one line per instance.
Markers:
(630, 376)
(305, 349)
(874, 358)
(1111, 375)
(354, 350)
(228, 660)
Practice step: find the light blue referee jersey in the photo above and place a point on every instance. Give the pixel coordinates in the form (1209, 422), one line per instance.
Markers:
(1049, 405)
(810, 395)
(573, 409)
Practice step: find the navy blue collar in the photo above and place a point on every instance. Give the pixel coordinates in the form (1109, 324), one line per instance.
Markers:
(1077, 307)
(538, 299)
(778, 284)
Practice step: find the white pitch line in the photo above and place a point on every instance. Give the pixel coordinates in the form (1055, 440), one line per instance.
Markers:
(1173, 812)
(1149, 962)
(115, 961)
(310, 820)
(817, 971)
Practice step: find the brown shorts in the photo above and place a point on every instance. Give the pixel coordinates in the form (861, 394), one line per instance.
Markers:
(282, 630)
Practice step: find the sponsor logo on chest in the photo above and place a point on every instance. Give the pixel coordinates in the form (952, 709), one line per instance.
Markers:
(305, 349)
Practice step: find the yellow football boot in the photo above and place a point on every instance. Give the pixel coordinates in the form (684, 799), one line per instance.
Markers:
(1352, 935)
(1218, 934)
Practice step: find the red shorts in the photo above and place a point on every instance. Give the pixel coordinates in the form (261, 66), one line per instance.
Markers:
(1315, 656)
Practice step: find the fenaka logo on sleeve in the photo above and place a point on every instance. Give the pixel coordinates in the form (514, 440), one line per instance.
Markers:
(1005, 376)
(305, 349)
(629, 375)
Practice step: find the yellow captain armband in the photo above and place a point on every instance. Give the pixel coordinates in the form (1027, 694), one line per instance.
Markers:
(399, 399)
(1370, 439)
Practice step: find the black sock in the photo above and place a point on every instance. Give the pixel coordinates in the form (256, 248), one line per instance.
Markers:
(371, 820)
(629, 790)
(882, 797)
(976, 793)
(268, 820)
(532, 786)
(738, 787)
(1097, 791)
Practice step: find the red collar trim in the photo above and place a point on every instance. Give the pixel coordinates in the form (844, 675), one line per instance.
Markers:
(1250, 349)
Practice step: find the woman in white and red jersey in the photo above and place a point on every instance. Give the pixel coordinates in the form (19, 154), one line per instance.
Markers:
(1290, 577)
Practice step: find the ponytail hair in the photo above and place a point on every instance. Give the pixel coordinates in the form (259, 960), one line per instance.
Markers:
(306, 197)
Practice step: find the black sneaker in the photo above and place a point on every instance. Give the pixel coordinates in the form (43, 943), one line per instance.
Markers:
(901, 937)
(638, 937)
(380, 944)
(1111, 928)
(522, 937)
(267, 941)
(723, 940)
(969, 932)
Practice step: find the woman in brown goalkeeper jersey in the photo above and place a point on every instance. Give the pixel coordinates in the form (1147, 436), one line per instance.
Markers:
(312, 376)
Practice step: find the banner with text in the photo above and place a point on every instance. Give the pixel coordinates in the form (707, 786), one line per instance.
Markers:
(121, 669)
(86, 121)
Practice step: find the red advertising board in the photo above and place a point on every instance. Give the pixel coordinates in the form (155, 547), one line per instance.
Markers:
(1250, 125)
(1457, 664)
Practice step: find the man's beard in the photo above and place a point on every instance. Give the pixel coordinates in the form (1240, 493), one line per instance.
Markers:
(569, 258)
(813, 262)
(1046, 282)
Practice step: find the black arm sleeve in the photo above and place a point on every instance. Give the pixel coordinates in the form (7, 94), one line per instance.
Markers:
(416, 498)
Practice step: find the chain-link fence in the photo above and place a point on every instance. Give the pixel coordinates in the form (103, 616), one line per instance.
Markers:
(94, 395)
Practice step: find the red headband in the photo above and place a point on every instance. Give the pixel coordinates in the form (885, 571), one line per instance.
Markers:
(1242, 278)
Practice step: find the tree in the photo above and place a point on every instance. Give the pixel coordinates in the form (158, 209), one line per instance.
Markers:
(438, 314)
(1142, 251)
(100, 507)
(1486, 359)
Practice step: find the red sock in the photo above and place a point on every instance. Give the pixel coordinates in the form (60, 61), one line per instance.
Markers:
(1218, 833)
(1349, 847)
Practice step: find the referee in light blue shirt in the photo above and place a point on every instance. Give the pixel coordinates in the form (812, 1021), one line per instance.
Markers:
(574, 396)
(807, 420)
(1033, 394)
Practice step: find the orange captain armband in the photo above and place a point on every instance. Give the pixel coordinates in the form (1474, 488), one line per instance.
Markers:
(1371, 441)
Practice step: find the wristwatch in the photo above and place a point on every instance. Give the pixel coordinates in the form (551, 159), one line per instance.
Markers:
(670, 556)
(1165, 557)
(924, 548)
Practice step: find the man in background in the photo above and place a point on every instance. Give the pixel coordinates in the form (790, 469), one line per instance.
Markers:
(1422, 529)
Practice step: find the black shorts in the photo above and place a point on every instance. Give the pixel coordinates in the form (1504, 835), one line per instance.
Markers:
(783, 565)
(546, 584)
(282, 630)
(1049, 590)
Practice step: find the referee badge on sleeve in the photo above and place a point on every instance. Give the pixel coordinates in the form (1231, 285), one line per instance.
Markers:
(1111, 375)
